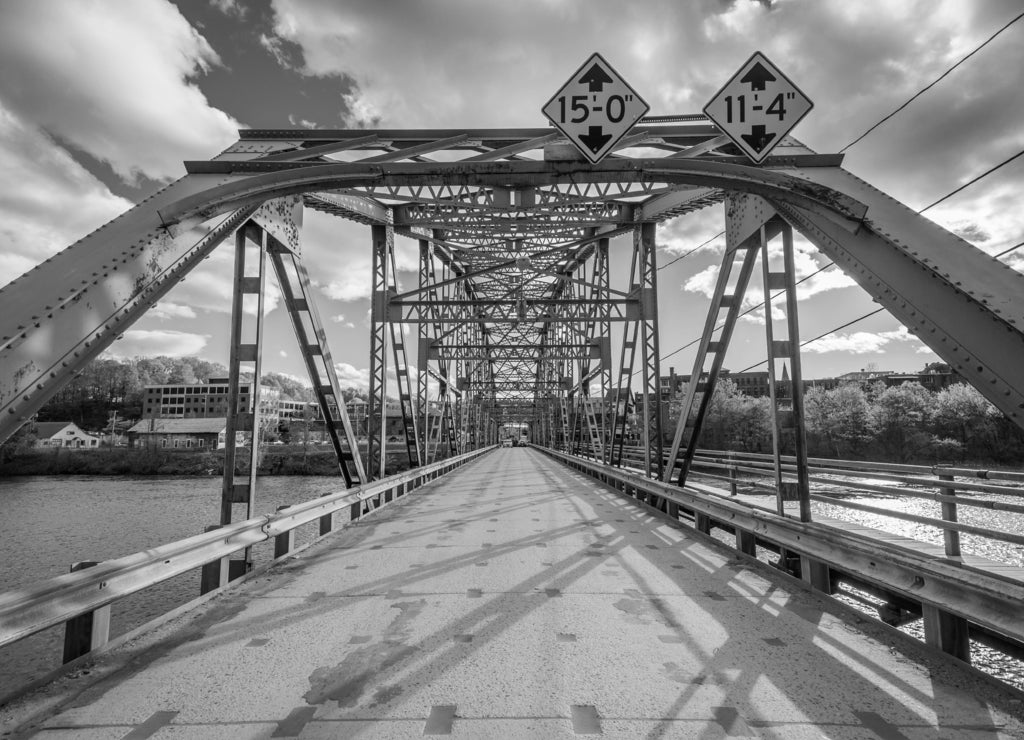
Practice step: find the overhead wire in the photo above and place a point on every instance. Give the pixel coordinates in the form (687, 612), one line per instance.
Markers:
(687, 254)
(920, 211)
(938, 79)
(830, 264)
(867, 315)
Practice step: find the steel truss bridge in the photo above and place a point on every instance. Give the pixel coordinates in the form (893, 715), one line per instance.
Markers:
(515, 307)
(516, 310)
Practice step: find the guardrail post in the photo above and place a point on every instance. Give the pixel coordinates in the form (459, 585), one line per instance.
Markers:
(215, 574)
(745, 542)
(816, 574)
(284, 542)
(86, 632)
(327, 522)
(950, 537)
(947, 632)
(733, 474)
(702, 522)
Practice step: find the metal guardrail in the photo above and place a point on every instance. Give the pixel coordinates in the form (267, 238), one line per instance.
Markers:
(757, 470)
(24, 612)
(957, 599)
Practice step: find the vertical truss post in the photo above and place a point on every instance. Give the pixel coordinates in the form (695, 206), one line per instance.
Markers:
(627, 359)
(312, 339)
(446, 422)
(422, 356)
(382, 237)
(689, 425)
(402, 382)
(602, 278)
(234, 490)
(787, 393)
(653, 444)
(564, 411)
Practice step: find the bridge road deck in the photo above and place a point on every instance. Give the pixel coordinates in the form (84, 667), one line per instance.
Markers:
(515, 598)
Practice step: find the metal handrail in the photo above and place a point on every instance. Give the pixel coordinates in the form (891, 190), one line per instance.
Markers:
(26, 611)
(848, 473)
(987, 597)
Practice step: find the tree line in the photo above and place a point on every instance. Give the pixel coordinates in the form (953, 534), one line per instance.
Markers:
(904, 423)
(106, 386)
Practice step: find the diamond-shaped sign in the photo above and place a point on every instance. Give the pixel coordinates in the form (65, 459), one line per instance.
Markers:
(758, 107)
(595, 108)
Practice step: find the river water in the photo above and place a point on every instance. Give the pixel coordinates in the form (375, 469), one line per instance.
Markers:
(47, 523)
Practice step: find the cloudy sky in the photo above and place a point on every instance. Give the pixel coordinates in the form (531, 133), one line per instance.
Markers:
(101, 101)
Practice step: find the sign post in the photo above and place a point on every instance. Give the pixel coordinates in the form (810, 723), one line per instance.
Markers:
(595, 108)
(757, 107)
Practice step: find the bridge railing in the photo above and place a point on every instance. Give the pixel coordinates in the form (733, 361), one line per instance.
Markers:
(959, 598)
(836, 481)
(82, 599)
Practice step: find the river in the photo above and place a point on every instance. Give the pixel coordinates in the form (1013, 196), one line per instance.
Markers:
(49, 522)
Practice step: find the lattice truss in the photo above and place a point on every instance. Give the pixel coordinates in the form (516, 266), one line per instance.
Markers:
(513, 307)
(511, 320)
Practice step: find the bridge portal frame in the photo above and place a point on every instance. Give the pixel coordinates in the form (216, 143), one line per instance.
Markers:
(487, 214)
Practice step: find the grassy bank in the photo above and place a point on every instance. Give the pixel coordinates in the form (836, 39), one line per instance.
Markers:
(276, 460)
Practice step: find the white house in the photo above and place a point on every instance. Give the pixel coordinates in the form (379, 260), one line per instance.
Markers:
(64, 434)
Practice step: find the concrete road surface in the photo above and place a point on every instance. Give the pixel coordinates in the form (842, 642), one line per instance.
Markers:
(517, 599)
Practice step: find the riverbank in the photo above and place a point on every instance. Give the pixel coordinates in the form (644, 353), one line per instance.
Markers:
(275, 460)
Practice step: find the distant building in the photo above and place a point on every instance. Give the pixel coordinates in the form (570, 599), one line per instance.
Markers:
(753, 384)
(289, 410)
(51, 434)
(181, 434)
(865, 376)
(206, 401)
(934, 382)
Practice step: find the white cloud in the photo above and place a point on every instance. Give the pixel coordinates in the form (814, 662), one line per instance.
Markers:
(862, 342)
(351, 377)
(51, 200)
(167, 310)
(113, 79)
(148, 343)
(273, 45)
(302, 122)
(808, 266)
(339, 253)
(208, 286)
(230, 7)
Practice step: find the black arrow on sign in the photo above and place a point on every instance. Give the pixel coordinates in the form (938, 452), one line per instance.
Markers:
(757, 139)
(596, 78)
(757, 76)
(596, 138)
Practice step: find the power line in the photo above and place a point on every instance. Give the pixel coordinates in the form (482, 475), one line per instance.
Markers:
(867, 315)
(822, 336)
(1005, 252)
(968, 184)
(940, 200)
(687, 254)
(886, 118)
(750, 310)
(935, 82)
(922, 210)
